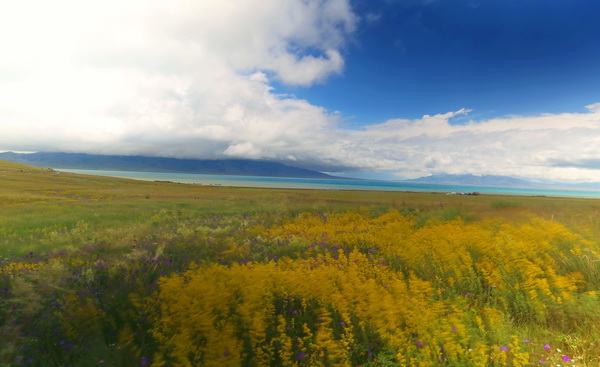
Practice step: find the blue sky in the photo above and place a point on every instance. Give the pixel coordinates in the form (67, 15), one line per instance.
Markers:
(369, 88)
(411, 58)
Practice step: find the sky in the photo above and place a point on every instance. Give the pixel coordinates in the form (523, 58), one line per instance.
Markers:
(389, 89)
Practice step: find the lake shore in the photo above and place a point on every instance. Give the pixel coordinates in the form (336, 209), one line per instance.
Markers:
(337, 184)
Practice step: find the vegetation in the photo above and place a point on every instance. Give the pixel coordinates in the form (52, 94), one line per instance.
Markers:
(104, 271)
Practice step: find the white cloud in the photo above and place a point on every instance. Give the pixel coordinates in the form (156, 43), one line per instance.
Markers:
(522, 146)
(245, 150)
(594, 107)
(192, 79)
(177, 77)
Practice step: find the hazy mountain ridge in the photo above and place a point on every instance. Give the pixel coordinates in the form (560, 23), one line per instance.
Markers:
(156, 164)
(499, 181)
(468, 179)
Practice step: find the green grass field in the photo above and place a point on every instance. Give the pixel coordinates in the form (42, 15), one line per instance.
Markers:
(107, 271)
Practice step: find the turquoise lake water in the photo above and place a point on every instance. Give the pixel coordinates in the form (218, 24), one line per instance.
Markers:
(337, 184)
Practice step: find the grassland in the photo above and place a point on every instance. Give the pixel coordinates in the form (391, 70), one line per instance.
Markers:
(107, 271)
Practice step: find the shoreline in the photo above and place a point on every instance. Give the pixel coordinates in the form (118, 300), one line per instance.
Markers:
(336, 184)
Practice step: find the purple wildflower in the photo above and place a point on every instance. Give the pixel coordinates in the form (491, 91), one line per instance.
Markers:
(547, 346)
(526, 341)
(566, 359)
(420, 344)
(504, 347)
(542, 362)
(301, 355)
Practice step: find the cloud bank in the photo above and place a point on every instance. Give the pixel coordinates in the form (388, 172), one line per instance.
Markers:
(562, 147)
(193, 79)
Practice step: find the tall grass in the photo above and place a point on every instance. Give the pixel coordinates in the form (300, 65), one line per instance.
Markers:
(95, 273)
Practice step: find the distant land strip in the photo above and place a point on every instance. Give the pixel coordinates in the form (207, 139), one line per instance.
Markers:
(239, 167)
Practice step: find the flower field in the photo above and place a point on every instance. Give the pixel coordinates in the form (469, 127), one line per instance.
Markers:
(316, 289)
(309, 283)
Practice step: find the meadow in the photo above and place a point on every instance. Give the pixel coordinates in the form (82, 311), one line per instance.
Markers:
(98, 271)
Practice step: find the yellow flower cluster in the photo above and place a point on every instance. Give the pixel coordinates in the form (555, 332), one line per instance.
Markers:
(291, 311)
(18, 267)
(372, 289)
(525, 264)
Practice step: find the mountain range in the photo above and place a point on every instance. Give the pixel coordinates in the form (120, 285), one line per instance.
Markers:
(155, 164)
(243, 167)
(498, 181)
(484, 180)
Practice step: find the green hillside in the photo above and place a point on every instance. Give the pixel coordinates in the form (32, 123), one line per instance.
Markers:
(11, 166)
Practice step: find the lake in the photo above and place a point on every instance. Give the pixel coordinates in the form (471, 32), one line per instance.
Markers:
(337, 184)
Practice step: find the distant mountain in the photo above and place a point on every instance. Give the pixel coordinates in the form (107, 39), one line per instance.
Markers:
(151, 164)
(583, 185)
(485, 180)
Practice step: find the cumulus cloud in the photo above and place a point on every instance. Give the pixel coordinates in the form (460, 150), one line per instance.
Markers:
(193, 79)
(554, 146)
(179, 77)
